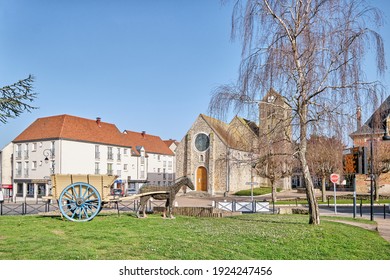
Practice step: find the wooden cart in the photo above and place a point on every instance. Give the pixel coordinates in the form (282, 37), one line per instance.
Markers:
(81, 196)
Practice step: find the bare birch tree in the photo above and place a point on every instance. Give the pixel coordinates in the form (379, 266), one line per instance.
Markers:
(324, 156)
(311, 52)
(16, 98)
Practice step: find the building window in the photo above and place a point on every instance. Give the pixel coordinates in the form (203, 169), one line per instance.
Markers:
(125, 167)
(97, 168)
(19, 188)
(97, 152)
(34, 147)
(119, 154)
(125, 152)
(169, 165)
(41, 190)
(26, 169)
(110, 155)
(34, 165)
(142, 160)
(30, 190)
(109, 169)
(19, 169)
(202, 142)
(26, 153)
(19, 151)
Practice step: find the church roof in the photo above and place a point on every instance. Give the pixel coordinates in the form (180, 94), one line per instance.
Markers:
(228, 133)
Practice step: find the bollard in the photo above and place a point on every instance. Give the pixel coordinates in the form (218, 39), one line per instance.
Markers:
(384, 211)
(361, 204)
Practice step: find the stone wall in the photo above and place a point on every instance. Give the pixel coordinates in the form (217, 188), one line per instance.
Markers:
(198, 212)
(363, 184)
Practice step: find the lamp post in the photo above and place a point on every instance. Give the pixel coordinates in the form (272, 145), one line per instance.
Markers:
(372, 180)
(48, 153)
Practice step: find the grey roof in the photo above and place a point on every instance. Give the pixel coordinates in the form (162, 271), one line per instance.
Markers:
(376, 120)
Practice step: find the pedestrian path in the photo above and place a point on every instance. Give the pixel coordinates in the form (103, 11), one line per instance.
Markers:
(384, 228)
(382, 225)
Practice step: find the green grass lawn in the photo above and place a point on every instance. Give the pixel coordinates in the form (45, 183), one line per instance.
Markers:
(268, 190)
(256, 191)
(331, 201)
(245, 237)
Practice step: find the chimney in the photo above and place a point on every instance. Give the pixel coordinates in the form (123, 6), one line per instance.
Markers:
(143, 134)
(358, 117)
(98, 121)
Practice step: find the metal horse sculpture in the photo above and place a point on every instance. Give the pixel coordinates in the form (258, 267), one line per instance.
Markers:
(169, 195)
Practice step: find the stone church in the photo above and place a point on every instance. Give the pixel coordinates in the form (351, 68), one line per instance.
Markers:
(220, 157)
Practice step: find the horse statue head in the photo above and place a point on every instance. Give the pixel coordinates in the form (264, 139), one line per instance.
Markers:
(188, 183)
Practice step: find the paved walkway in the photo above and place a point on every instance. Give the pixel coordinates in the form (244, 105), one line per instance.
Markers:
(382, 226)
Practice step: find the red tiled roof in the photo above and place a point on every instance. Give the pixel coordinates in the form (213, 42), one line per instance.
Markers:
(86, 130)
(170, 141)
(151, 143)
(73, 128)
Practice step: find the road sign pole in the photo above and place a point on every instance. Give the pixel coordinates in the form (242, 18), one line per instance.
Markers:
(335, 204)
(334, 178)
(354, 195)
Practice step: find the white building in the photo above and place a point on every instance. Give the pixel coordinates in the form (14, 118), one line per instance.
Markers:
(67, 144)
(6, 170)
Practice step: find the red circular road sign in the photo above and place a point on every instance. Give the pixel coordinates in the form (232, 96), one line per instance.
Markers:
(334, 178)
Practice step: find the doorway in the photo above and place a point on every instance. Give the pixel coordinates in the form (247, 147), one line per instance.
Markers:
(201, 179)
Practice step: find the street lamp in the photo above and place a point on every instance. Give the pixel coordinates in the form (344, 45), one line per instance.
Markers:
(47, 153)
(372, 180)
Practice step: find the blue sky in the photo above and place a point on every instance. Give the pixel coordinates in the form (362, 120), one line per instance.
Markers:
(142, 65)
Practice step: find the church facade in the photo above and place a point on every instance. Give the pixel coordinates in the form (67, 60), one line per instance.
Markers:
(219, 157)
(223, 158)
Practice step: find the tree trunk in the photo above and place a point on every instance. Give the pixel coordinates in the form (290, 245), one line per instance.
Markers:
(314, 212)
(323, 188)
(273, 191)
(376, 188)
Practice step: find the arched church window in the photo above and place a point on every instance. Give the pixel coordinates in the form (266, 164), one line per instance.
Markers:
(202, 142)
